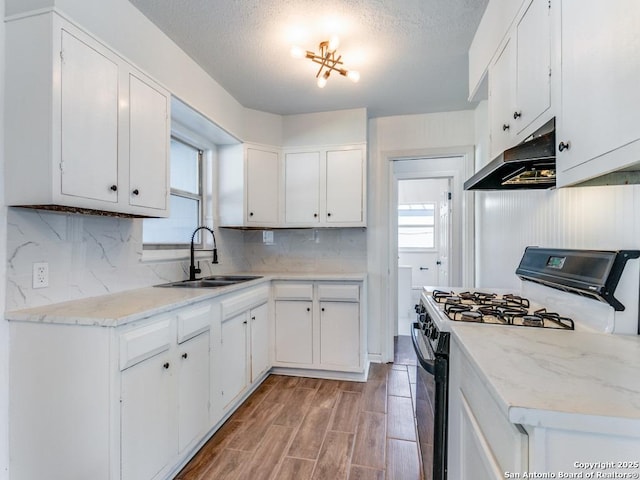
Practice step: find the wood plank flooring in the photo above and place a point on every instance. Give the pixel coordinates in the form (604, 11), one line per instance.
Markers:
(310, 429)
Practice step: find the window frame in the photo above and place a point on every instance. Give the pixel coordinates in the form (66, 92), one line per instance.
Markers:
(184, 194)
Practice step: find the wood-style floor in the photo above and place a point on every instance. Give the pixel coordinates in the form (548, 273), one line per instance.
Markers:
(310, 429)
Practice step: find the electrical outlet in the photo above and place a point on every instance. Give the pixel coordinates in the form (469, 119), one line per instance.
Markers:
(40, 275)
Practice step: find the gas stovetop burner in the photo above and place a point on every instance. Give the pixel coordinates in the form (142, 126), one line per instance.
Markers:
(508, 309)
(532, 321)
(471, 316)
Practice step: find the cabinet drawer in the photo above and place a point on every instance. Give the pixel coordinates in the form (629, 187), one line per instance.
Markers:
(142, 343)
(193, 321)
(339, 292)
(240, 302)
(293, 291)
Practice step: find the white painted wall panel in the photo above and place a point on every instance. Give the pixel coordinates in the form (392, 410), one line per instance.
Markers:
(601, 218)
(325, 128)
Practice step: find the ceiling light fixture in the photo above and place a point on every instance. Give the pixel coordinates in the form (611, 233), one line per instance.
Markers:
(329, 61)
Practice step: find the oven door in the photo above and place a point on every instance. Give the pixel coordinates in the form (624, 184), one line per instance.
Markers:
(431, 407)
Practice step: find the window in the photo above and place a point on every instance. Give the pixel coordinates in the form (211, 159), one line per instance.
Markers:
(416, 226)
(186, 201)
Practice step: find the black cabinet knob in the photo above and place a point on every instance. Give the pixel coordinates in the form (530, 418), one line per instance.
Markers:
(251, 214)
(564, 146)
(517, 115)
(505, 127)
(308, 309)
(166, 366)
(328, 214)
(315, 215)
(322, 309)
(114, 188)
(185, 355)
(136, 192)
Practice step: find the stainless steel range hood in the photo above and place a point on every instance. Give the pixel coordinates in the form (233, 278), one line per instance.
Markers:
(531, 164)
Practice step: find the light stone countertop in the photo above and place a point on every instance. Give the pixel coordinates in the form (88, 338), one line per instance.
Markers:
(558, 379)
(117, 309)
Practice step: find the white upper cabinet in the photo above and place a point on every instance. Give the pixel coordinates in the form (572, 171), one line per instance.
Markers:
(597, 129)
(501, 100)
(148, 146)
(345, 187)
(325, 187)
(249, 186)
(533, 64)
(302, 187)
(88, 130)
(520, 78)
(262, 186)
(89, 121)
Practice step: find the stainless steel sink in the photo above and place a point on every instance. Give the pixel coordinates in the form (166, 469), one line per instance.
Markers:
(214, 281)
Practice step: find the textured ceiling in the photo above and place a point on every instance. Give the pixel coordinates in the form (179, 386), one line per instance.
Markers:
(411, 54)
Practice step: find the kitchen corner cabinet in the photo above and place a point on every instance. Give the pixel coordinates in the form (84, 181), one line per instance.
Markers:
(482, 442)
(244, 339)
(597, 131)
(325, 187)
(520, 78)
(248, 187)
(88, 130)
(318, 325)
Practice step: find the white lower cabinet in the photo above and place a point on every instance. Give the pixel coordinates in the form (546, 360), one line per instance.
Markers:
(318, 325)
(194, 374)
(482, 443)
(244, 342)
(148, 418)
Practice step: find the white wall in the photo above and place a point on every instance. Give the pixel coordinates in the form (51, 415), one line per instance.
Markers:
(407, 135)
(325, 128)
(4, 327)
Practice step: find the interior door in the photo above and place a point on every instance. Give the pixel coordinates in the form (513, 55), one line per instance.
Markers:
(444, 240)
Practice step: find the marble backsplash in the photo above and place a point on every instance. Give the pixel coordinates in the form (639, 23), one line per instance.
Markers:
(92, 255)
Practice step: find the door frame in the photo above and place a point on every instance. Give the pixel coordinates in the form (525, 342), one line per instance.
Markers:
(462, 226)
(393, 212)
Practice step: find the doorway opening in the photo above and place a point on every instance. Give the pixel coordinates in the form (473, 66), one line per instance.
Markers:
(424, 234)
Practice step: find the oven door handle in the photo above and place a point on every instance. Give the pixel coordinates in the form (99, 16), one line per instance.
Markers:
(427, 363)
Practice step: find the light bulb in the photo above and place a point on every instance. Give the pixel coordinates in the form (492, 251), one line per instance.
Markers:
(354, 76)
(297, 52)
(322, 82)
(333, 43)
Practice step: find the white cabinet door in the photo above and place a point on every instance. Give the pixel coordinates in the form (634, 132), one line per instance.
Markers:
(148, 418)
(294, 331)
(501, 100)
(302, 187)
(477, 460)
(533, 64)
(340, 334)
(148, 145)
(345, 182)
(259, 340)
(234, 376)
(89, 121)
(600, 94)
(193, 389)
(262, 186)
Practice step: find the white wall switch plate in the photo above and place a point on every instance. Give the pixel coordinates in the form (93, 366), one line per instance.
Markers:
(40, 275)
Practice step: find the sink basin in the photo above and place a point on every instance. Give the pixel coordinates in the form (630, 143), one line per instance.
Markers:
(215, 281)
